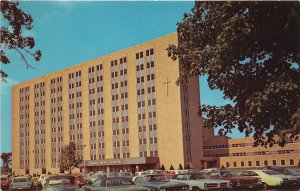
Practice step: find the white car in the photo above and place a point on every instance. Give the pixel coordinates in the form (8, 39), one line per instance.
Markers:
(271, 178)
(41, 178)
(43, 182)
(201, 181)
(21, 183)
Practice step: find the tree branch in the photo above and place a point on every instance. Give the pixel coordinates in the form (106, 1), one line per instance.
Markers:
(24, 59)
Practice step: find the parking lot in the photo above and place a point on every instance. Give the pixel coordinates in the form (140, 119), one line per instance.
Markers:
(273, 189)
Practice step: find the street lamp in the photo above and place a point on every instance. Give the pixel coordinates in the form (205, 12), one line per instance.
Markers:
(83, 159)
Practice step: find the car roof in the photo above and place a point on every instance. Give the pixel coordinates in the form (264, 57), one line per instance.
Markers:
(19, 177)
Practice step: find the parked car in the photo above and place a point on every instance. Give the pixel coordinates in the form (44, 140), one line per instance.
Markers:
(20, 183)
(236, 180)
(41, 178)
(61, 183)
(5, 181)
(43, 182)
(285, 171)
(125, 175)
(271, 178)
(200, 181)
(158, 182)
(80, 181)
(114, 183)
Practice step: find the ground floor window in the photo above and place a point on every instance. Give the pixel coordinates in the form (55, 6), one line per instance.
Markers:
(292, 162)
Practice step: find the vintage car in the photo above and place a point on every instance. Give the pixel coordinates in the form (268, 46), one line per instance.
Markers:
(61, 183)
(271, 178)
(80, 181)
(125, 174)
(44, 180)
(20, 183)
(158, 182)
(236, 180)
(286, 171)
(5, 181)
(41, 178)
(201, 181)
(113, 183)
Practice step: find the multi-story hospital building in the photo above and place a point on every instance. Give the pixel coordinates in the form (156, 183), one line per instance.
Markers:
(124, 111)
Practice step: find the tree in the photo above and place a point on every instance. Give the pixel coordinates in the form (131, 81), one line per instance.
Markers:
(69, 158)
(188, 166)
(180, 167)
(162, 167)
(251, 52)
(6, 161)
(15, 20)
(171, 167)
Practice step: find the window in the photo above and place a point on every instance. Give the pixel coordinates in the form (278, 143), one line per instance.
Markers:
(242, 163)
(266, 163)
(282, 162)
(273, 162)
(234, 164)
(292, 162)
(257, 163)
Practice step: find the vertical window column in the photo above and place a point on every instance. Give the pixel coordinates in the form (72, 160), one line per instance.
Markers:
(115, 108)
(151, 100)
(100, 111)
(140, 86)
(92, 112)
(124, 107)
(78, 122)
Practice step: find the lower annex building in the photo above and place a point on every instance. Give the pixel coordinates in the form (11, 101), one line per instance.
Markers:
(123, 111)
(223, 151)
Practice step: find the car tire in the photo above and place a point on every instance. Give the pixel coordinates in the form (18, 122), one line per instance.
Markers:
(265, 186)
(196, 189)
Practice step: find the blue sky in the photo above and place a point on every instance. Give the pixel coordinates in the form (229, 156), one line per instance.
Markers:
(69, 33)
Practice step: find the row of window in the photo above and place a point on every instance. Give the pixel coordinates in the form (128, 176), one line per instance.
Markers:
(25, 89)
(52, 81)
(290, 151)
(258, 163)
(71, 75)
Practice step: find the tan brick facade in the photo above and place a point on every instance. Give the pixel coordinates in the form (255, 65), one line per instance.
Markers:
(64, 107)
(239, 153)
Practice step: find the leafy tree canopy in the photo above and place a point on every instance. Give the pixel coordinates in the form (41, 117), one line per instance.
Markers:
(6, 161)
(15, 21)
(69, 157)
(250, 51)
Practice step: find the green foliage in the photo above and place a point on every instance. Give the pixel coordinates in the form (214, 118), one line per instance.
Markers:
(15, 21)
(187, 166)
(171, 167)
(251, 52)
(6, 161)
(180, 167)
(162, 167)
(69, 157)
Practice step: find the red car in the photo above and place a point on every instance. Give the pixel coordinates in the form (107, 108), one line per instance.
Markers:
(5, 181)
(79, 180)
(236, 180)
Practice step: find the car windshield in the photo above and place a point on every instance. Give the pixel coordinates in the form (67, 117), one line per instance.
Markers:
(20, 180)
(118, 182)
(124, 174)
(198, 176)
(61, 181)
(271, 172)
(155, 178)
(294, 171)
(229, 173)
